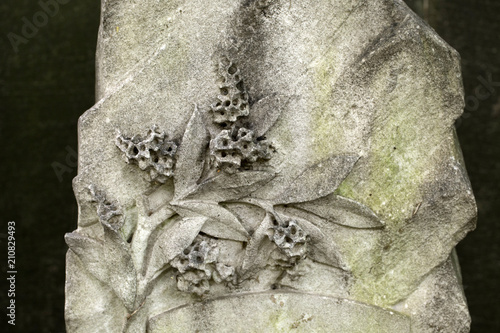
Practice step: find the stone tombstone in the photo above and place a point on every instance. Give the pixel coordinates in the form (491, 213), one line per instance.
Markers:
(269, 166)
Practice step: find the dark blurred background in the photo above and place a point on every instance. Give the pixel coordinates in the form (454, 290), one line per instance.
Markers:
(47, 82)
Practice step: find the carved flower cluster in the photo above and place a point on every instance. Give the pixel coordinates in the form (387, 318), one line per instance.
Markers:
(108, 212)
(230, 152)
(197, 265)
(234, 147)
(153, 153)
(232, 102)
(291, 239)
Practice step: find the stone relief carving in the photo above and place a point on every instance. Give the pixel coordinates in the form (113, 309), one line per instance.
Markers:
(232, 102)
(107, 211)
(312, 169)
(197, 265)
(154, 153)
(235, 147)
(187, 235)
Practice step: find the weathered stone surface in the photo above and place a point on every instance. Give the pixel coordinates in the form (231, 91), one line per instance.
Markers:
(438, 304)
(312, 149)
(280, 312)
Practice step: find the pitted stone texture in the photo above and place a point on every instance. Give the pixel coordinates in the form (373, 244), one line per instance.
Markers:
(197, 265)
(290, 238)
(232, 101)
(236, 148)
(154, 153)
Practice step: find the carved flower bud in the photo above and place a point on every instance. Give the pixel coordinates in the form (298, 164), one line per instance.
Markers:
(233, 100)
(290, 238)
(229, 150)
(197, 266)
(225, 152)
(153, 153)
(108, 212)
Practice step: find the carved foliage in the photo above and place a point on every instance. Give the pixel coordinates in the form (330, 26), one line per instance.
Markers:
(197, 264)
(108, 259)
(235, 146)
(233, 149)
(153, 153)
(290, 238)
(184, 235)
(108, 212)
(232, 101)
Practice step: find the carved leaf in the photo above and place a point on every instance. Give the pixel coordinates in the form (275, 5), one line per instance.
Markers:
(190, 156)
(249, 215)
(221, 224)
(266, 112)
(343, 211)
(324, 249)
(171, 241)
(225, 187)
(147, 229)
(257, 252)
(321, 247)
(319, 180)
(109, 261)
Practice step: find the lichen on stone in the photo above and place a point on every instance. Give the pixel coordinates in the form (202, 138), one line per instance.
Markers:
(197, 265)
(153, 153)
